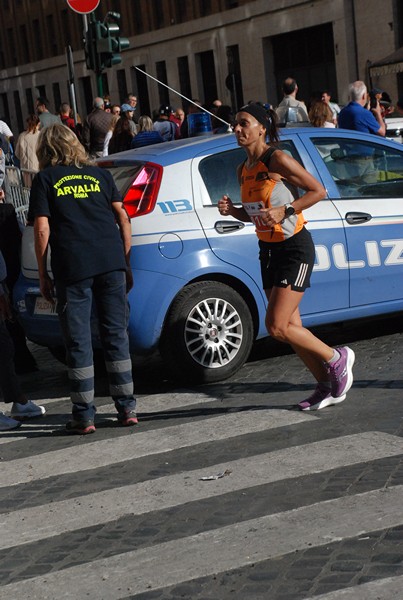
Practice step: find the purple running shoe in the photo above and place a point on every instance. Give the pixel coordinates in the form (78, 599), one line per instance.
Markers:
(341, 372)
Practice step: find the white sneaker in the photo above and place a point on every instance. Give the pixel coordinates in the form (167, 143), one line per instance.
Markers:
(6, 423)
(27, 411)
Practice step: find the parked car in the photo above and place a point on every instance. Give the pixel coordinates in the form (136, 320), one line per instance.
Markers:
(197, 296)
(394, 128)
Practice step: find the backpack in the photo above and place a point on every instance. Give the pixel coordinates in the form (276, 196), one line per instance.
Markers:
(7, 150)
(166, 129)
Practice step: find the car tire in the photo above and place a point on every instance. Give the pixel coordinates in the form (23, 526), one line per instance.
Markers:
(208, 333)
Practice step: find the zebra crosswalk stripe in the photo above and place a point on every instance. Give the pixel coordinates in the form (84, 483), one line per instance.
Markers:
(33, 524)
(112, 451)
(243, 543)
(146, 404)
(389, 588)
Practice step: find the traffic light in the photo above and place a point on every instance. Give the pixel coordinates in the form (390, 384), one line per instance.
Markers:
(109, 44)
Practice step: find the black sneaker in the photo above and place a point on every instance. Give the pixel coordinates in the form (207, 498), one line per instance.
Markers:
(128, 420)
(80, 427)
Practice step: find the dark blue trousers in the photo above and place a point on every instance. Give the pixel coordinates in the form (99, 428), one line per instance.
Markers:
(9, 383)
(74, 306)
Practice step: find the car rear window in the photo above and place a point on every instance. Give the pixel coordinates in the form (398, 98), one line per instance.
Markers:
(219, 173)
(123, 175)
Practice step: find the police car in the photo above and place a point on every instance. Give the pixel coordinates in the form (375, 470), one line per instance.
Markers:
(197, 296)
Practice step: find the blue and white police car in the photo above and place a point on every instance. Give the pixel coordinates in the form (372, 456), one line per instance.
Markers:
(197, 296)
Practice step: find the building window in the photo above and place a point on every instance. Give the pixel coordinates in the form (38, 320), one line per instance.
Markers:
(159, 16)
(206, 72)
(64, 16)
(86, 92)
(184, 79)
(205, 7)
(233, 80)
(41, 91)
(308, 56)
(37, 34)
(12, 47)
(57, 99)
(2, 61)
(140, 88)
(30, 101)
(116, 7)
(122, 84)
(180, 8)
(52, 38)
(24, 44)
(105, 84)
(18, 111)
(138, 22)
(5, 109)
(163, 92)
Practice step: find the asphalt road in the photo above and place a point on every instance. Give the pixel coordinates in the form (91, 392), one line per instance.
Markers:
(223, 491)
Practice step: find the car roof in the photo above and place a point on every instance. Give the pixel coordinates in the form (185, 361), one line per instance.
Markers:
(171, 152)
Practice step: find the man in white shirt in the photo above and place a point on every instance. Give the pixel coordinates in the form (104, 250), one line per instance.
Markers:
(335, 108)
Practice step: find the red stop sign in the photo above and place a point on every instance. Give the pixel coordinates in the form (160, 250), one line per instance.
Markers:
(83, 6)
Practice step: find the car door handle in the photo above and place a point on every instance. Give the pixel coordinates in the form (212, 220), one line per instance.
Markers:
(354, 218)
(228, 226)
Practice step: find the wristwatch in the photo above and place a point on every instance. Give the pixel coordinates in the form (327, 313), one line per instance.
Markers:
(289, 211)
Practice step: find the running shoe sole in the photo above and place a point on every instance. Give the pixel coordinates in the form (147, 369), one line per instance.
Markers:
(323, 403)
(128, 422)
(75, 428)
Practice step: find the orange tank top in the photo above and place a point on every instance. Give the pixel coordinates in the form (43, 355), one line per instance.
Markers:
(259, 190)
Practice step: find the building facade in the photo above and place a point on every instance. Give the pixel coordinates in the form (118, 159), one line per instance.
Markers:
(235, 50)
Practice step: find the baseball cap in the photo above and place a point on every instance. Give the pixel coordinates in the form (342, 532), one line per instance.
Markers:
(126, 107)
(165, 110)
(376, 91)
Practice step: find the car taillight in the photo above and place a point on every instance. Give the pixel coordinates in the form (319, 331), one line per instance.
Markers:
(142, 195)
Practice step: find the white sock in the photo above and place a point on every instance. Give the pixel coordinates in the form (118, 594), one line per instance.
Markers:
(335, 357)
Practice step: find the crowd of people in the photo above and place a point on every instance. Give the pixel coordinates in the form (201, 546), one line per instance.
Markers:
(114, 127)
(61, 148)
(366, 111)
(109, 127)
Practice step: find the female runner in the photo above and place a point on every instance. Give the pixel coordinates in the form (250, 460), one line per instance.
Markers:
(286, 249)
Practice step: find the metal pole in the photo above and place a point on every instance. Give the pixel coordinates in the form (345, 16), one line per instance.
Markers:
(98, 73)
(70, 66)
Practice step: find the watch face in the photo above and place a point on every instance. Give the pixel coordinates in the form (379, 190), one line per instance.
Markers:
(289, 211)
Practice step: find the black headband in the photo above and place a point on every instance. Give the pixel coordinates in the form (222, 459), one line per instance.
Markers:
(259, 112)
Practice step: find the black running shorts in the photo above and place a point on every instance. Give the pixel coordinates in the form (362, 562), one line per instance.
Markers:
(287, 263)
